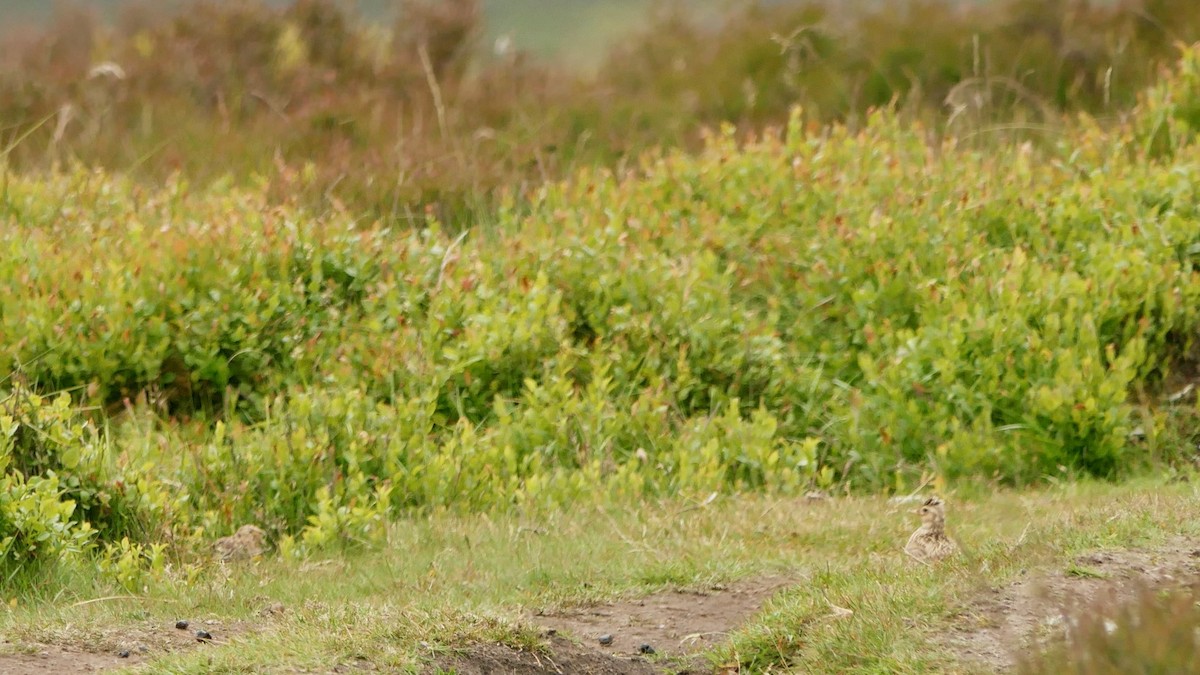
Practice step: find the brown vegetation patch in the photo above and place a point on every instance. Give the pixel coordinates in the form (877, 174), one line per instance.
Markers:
(994, 627)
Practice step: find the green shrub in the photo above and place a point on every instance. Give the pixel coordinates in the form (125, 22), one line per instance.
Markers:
(978, 313)
(226, 297)
(68, 497)
(47, 437)
(36, 526)
(315, 450)
(814, 305)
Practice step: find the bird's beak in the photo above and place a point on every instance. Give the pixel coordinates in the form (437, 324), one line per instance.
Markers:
(916, 512)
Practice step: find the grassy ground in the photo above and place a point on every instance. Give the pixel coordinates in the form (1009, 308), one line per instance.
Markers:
(450, 581)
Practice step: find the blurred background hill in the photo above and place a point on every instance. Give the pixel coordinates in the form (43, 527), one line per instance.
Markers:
(575, 30)
(415, 108)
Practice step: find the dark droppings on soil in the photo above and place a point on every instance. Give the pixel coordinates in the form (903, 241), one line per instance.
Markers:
(94, 649)
(617, 638)
(560, 656)
(673, 624)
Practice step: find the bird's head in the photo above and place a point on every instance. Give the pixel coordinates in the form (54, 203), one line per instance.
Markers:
(932, 512)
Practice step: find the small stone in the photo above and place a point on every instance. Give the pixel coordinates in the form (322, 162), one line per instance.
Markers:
(124, 653)
(204, 636)
(645, 649)
(247, 542)
(606, 639)
(181, 624)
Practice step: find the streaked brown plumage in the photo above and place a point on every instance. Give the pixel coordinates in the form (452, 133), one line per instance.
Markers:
(930, 542)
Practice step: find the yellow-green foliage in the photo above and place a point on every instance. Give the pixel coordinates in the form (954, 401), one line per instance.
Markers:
(1170, 110)
(812, 306)
(35, 525)
(58, 493)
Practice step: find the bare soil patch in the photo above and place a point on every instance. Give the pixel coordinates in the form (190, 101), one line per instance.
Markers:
(60, 660)
(95, 649)
(994, 627)
(564, 657)
(673, 623)
(677, 625)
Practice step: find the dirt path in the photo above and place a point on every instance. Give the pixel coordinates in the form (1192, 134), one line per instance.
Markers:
(98, 650)
(59, 660)
(999, 623)
(990, 631)
(676, 625)
(564, 657)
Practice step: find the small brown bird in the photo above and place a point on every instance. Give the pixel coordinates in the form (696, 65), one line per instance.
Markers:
(929, 542)
(247, 542)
